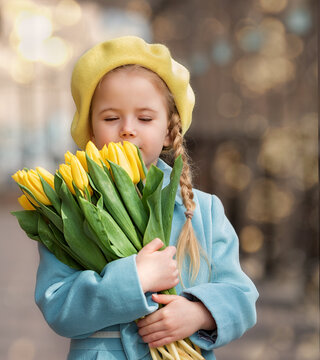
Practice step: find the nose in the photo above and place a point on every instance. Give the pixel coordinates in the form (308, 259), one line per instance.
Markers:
(127, 130)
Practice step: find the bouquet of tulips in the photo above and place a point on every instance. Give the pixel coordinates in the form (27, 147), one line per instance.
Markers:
(98, 207)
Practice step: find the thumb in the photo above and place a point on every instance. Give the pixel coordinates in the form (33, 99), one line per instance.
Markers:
(153, 246)
(163, 298)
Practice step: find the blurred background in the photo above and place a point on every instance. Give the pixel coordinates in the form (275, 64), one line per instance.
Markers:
(253, 142)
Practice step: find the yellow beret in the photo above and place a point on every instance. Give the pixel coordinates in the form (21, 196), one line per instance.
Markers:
(104, 57)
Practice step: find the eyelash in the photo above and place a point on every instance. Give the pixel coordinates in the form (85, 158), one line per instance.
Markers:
(111, 119)
(116, 118)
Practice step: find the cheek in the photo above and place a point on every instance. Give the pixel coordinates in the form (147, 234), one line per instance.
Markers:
(98, 135)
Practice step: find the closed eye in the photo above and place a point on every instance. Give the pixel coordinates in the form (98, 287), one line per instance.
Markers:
(145, 118)
(111, 118)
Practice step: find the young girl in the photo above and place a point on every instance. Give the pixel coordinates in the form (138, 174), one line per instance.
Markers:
(126, 89)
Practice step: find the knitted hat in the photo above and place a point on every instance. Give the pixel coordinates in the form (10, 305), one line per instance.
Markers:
(104, 57)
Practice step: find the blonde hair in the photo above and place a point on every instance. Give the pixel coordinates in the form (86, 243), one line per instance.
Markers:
(187, 243)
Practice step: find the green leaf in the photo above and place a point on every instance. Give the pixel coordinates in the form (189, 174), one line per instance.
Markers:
(145, 170)
(48, 239)
(76, 190)
(34, 237)
(130, 197)
(45, 210)
(154, 178)
(28, 220)
(100, 202)
(112, 201)
(168, 196)
(107, 251)
(110, 236)
(57, 182)
(140, 186)
(51, 194)
(154, 228)
(83, 246)
(60, 241)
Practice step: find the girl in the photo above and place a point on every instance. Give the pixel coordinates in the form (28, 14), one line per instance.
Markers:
(126, 89)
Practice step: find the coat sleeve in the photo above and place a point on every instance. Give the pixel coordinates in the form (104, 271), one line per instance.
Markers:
(75, 303)
(230, 295)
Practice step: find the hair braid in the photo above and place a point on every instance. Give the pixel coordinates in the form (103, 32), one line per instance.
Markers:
(187, 242)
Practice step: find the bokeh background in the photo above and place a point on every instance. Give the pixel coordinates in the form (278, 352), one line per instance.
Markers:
(253, 142)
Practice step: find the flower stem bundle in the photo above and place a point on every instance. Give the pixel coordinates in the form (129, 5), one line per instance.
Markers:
(100, 206)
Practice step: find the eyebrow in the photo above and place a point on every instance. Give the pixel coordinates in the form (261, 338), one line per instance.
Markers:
(115, 109)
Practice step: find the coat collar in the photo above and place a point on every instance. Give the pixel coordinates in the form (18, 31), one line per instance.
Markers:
(166, 178)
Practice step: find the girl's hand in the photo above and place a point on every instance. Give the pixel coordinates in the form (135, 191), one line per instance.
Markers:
(157, 270)
(179, 319)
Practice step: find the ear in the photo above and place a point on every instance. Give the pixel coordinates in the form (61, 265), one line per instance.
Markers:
(167, 140)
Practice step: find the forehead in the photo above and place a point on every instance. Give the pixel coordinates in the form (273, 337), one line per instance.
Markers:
(139, 71)
(121, 81)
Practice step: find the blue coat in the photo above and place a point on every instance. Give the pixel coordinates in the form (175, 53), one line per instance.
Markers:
(77, 304)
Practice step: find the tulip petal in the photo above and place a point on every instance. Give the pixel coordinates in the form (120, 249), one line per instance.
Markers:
(131, 151)
(25, 203)
(81, 155)
(65, 172)
(46, 175)
(94, 153)
(67, 157)
(33, 182)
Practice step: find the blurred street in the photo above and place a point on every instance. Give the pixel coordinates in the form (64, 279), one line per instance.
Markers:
(286, 330)
(253, 142)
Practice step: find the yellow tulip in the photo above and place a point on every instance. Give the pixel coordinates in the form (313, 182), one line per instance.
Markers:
(133, 156)
(33, 183)
(65, 171)
(79, 175)
(67, 157)
(124, 161)
(112, 153)
(25, 203)
(117, 155)
(104, 155)
(18, 177)
(130, 150)
(81, 155)
(48, 177)
(94, 153)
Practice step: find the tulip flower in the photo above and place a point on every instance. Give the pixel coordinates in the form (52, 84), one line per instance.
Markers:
(81, 155)
(30, 179)
(67, 157)
(94, 153)
(104, 155)
(25, 203)
(48, 177)
(33, 183)
(65, 172)
(133, 157)
(18, 177)
(79, 175)
(117, 155)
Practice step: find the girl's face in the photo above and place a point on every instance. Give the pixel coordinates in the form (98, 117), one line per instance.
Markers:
(128, 106)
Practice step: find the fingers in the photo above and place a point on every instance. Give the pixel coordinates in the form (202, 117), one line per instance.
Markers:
(170, 250)
(158, 339)
(149, 319)
(153, 246)
(164, 299)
